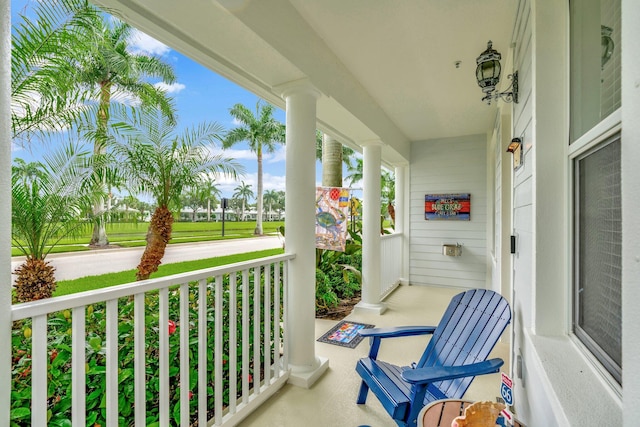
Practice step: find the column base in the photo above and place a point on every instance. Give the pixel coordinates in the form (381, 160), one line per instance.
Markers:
(371, 308)
(305, 376)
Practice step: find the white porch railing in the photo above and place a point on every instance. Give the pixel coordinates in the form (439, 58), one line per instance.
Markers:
(205, 346)
(391, 257)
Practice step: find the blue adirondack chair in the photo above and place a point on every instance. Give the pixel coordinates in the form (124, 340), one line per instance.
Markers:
(456, 353)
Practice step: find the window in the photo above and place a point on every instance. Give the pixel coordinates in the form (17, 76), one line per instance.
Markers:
(598, 253)
(595, 63)
(597, 244)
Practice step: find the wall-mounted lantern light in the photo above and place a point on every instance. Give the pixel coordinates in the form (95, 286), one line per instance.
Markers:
(488, 76)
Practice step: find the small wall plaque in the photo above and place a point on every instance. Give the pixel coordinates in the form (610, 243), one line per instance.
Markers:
(447, 207)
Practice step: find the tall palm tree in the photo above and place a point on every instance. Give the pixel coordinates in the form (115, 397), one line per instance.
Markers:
(162, 163)
(46, 206)
(244, 193)
(270, 198)
(262, 132)
(43, 97)
(210, 194)
(111, 70)
(333, 155)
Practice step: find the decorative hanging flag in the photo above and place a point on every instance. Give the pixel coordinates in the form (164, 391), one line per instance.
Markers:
(332, 208)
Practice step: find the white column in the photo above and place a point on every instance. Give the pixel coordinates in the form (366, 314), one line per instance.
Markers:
(402, 217)
(371, 246)
(5, 210)
(300, 99)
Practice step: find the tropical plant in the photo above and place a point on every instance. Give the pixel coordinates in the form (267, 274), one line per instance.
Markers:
(244, 194)
(46, 206)
(271, 199)
(43, 97)
(388, 194)
(162, 163)
(192, 199)
(111, 71)
(262, 132)
(210, 194)
(333, 155)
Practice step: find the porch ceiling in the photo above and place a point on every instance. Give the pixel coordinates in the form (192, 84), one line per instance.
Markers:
(386, 68)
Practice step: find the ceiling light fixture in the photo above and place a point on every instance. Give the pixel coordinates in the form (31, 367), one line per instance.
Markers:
(488, 76)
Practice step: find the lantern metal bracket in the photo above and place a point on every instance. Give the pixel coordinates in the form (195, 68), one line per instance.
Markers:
(510, 95)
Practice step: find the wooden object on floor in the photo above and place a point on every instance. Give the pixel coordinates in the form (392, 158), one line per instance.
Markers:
(441, 413)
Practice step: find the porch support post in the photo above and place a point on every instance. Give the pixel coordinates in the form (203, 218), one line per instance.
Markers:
(300, 97)
(371, 246)
(5, 210)
(402, 219)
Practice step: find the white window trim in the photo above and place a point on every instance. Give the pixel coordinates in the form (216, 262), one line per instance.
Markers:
(609, 126)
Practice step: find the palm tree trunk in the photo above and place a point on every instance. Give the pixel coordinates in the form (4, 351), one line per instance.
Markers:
(35, 280)
(331, 162)
(99, 236)
(158, 236)
(258, 230)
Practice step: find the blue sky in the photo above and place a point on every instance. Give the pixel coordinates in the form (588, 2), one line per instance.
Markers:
(200, 95)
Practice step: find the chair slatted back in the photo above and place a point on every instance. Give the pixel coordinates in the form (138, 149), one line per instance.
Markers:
(467, 332)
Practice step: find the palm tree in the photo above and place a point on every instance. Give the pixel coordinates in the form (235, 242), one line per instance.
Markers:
(43, 97)
(355, 171)
(333, 155)
(45, 207)
(210, 194)
(163, 164)
(262, 132)
(112, 70)
(243, 193)
(270, 198)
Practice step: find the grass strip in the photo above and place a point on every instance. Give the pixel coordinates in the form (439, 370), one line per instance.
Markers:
(66, 287)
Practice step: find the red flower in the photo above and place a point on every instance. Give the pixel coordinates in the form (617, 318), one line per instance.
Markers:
(250, 378)
(172, 327)
(190, 394)
(53, 355)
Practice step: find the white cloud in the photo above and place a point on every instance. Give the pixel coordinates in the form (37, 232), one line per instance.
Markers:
(140, 43)
(170, 88)
(232, 153)
(277, 156)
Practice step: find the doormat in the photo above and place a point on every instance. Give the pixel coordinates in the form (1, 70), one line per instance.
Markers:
(344, 334)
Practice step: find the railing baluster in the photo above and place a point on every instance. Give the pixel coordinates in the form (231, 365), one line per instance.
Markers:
(285, 345)
(245, 336)
(267, 325)
(276, 320)
(78, 373)
(139, 360)
(111, 332)
(202, 352)
(256, 331)
(217, 391)
(39, 371)
(233, 342)
(163, 330)
(185, 387)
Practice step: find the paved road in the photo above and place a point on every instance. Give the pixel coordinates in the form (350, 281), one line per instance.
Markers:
(80, 264)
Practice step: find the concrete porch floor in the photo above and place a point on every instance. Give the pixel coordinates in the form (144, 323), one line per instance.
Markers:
(332, 400)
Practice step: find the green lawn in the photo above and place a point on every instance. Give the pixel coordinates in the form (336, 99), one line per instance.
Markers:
(88, 283)
(133, 234)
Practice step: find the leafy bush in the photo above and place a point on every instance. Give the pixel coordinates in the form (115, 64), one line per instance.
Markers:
(59, 364)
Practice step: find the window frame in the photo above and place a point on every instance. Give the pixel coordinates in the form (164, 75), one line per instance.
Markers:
(590, 141)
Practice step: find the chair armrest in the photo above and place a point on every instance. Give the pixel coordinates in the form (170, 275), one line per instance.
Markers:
(401, 331)
(441, 373)
(376, 334)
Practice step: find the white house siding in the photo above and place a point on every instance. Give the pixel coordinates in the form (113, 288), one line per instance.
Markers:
(558, 385)
(451, 165)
